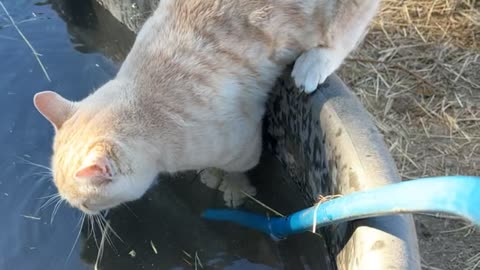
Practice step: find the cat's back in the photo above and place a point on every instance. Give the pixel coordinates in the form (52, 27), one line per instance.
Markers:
(195, 42)
(196, 24)
(224, 45)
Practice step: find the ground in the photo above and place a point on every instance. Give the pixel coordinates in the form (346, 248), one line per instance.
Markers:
(418, 74)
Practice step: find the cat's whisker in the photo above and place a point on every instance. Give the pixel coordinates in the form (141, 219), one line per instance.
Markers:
(92, 224)
(35, 164)
(43, 174)
(107, 223)
(101, 249)
(99, 224)
(103, 225)
(55, 210)
(130, 209)
(103, 230)
(88, 227)
(50, 196)
(81, 221)
(105, 237)
(46, 177)
(50, 201)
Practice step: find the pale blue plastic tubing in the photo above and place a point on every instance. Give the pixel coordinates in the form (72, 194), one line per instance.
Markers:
(458, 195)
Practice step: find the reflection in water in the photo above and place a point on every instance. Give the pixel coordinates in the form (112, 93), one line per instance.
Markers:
(93, 29)
(163, 230)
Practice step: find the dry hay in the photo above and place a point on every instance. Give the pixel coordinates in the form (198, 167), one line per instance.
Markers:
(418, 73)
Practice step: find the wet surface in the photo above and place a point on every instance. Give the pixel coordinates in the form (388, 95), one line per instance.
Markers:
(82, 47)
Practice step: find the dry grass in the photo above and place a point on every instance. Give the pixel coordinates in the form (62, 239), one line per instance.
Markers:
(418, 73)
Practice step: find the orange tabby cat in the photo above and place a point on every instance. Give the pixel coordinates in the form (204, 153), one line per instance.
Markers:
(191, 95)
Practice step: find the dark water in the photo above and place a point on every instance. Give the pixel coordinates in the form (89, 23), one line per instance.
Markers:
(81, 47)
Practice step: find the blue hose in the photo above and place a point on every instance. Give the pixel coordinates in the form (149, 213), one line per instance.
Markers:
(458, 195)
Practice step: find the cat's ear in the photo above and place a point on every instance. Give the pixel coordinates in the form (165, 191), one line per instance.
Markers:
(54, 107)
(97, 169)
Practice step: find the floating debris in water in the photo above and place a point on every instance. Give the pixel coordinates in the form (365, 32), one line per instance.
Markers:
(31, 217)
(35, 53)
(197, 260)
(6, 194)
(153, 247)
(186, 253)
(262, 204)
(187, 262)
(132, 253)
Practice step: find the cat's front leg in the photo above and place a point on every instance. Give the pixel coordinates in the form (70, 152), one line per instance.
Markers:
(235, 185)
(343, 27)
(314, 66)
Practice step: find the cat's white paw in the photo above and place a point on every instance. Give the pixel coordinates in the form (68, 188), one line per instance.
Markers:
(233, 185)
(313, 67)
(212, 177)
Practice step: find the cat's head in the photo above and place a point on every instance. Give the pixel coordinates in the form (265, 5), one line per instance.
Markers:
(95, 165)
